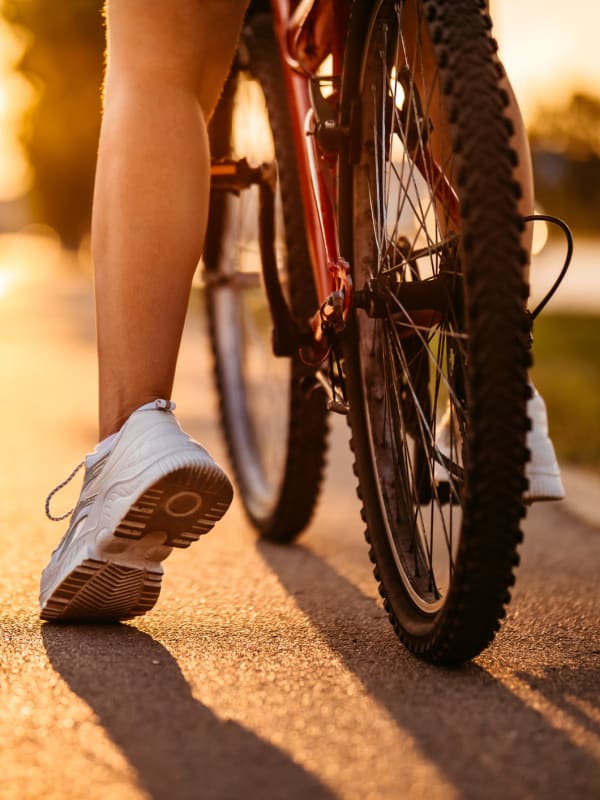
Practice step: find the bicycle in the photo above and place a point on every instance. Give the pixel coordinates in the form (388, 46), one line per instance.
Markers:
(365, 240)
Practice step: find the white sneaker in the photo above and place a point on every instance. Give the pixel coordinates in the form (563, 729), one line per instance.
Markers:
(542, 470)
(449, 444)
(156, 489)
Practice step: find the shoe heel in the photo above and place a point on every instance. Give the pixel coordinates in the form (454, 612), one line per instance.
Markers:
(183, 505)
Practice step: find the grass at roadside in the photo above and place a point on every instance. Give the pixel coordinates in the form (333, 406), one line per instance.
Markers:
(567, 373)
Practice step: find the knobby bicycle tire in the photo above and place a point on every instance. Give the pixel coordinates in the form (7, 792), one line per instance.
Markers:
(275, 432)
(437, 392)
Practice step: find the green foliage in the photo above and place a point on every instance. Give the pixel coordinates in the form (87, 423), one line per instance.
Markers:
(567, 373)
(566, 157)
(64, 60)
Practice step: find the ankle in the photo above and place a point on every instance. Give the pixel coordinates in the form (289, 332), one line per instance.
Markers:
(111, 425)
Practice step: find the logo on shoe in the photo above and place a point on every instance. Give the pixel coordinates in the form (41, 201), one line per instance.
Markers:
(183, 504)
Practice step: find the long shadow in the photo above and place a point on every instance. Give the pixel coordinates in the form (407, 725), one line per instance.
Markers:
(574, 691)
(177, 746)
(486, 741)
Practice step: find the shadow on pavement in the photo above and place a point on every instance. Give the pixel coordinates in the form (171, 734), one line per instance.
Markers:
(574, 691)
(177, 746)
(486, 741)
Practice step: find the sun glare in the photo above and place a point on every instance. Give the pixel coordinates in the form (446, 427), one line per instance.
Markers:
(548, 51)
(26, 257)
(540, 237)
(251, 132)
(17, 95)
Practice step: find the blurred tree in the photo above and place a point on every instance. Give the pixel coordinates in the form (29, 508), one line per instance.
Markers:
(64, 60)
(566, 156)
(573, 129)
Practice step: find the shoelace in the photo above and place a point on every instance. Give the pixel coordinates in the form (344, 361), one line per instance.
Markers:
(56, 489)
(159, 404)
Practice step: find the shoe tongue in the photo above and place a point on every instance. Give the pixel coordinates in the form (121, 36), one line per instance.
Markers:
(102, 448)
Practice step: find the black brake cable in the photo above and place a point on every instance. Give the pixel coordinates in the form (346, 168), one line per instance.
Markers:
(569, 237)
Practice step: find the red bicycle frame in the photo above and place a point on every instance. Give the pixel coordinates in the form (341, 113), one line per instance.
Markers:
(317, 169)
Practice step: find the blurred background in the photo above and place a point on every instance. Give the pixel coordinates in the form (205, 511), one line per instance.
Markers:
(51, 61)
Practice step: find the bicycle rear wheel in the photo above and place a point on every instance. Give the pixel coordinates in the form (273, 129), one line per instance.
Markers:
(437, 356)
(276, 434)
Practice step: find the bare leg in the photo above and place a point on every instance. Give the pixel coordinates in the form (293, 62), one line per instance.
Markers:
(524, 170)
(166, 65)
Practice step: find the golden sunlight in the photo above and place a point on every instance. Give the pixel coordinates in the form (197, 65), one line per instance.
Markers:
(17, 95)
(27, 257)
(251, 131)
(540, 236)
(548, 49)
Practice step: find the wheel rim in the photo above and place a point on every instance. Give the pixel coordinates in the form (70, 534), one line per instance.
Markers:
(261, 415)
(412, 362)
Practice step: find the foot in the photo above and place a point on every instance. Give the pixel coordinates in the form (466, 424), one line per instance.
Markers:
(156, 489)
(542, 470)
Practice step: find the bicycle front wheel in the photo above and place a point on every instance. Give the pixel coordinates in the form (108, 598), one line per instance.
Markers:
(275, 431)
(436, 354)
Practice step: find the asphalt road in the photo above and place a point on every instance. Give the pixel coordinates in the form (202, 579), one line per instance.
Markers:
(264, 672)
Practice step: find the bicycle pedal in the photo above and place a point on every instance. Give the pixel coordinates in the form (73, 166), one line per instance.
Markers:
(338, 406)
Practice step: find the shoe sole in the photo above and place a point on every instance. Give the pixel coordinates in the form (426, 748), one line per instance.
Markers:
(174, 512)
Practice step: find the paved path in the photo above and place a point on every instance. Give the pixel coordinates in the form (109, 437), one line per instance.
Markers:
(264, 672)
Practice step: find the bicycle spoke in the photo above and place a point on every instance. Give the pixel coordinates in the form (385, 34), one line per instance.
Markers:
(419, 363)
(426, 305)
